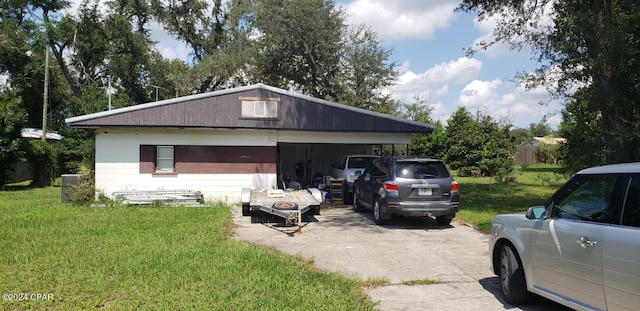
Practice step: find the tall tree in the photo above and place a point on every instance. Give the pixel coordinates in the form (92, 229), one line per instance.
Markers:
(219, 35)
(462, 140)
(300, 43)
(365, 72)
(582, 128)
(592, 45)
(130, 48)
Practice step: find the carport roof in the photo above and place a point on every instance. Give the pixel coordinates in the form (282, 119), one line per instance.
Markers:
(228, 109)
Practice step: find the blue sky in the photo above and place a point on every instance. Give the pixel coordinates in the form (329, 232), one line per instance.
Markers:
(427, 39)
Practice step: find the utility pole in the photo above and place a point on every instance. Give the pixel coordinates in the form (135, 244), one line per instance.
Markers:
(46, 94)
(109, 90)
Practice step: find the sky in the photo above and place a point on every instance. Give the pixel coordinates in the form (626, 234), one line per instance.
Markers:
(428, 41)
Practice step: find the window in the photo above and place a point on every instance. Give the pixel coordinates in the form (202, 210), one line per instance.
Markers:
(165, 159)
(631, 216)
(380, 169)
(260, 109)
(421, 170)
(587, 198)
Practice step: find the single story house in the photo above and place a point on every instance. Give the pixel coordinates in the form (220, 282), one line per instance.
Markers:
(220, 142)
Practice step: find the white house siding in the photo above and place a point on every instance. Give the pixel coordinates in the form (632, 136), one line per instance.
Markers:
(341, 138)
(118, 167)
(118, 157)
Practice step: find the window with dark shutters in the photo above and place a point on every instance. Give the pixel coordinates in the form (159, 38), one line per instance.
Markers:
(207, 159)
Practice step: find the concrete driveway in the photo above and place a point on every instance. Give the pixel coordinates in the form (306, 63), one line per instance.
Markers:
(408, 249)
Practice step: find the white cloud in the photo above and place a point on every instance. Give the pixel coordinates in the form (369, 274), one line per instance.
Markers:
(479, 94)
(519, 106)
(168, 46)
(486, 28)
(449, 85)
(401, 19)
(434, 83)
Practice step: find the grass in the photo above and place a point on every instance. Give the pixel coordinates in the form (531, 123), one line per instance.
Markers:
(481, 199)
(177, 258)
(424, 282)
(377, 282)
(125, 258)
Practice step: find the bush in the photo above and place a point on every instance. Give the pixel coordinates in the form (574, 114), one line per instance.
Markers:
(84, 192)
(43, 158)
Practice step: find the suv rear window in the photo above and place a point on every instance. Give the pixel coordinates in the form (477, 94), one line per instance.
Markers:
(421, 170)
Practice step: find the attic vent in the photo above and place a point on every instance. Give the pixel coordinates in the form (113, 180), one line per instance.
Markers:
(259, 109)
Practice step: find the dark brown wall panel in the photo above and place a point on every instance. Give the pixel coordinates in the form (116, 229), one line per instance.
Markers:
(222, 110)
(214, 159)
(147, 159)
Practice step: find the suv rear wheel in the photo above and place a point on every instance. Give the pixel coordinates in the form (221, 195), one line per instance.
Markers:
(444, 220)
(356, 203)
(377, 214)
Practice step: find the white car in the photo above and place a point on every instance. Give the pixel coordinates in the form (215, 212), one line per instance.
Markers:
(581, 249)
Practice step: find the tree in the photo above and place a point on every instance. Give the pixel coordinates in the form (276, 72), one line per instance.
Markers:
(365, 72)
(12, 119)
(461, 143)
(478, 147)
(429, 145)
(43, 158)
(521, 135)
(582, 129)
(592, 46)
(540, 129)
(432, 144)
(498, 150)
(220, 36)
(548, 152)
(300, 45)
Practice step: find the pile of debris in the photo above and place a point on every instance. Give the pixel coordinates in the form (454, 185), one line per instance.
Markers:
(169, 197)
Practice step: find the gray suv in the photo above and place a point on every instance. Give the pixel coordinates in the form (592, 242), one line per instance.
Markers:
(412, 187)
(581, 249)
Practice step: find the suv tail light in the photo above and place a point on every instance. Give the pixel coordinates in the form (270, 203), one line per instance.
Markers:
(390, 186)
(454, 186)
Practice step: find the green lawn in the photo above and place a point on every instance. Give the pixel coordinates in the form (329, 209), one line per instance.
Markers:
(177, 258)
(480, 200)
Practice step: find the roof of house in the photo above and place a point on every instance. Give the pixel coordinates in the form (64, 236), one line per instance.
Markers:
(37, 133)
(550, 140)
(277, 109)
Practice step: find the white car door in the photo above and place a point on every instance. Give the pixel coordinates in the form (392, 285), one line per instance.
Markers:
(621, 259)
(567, 248)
